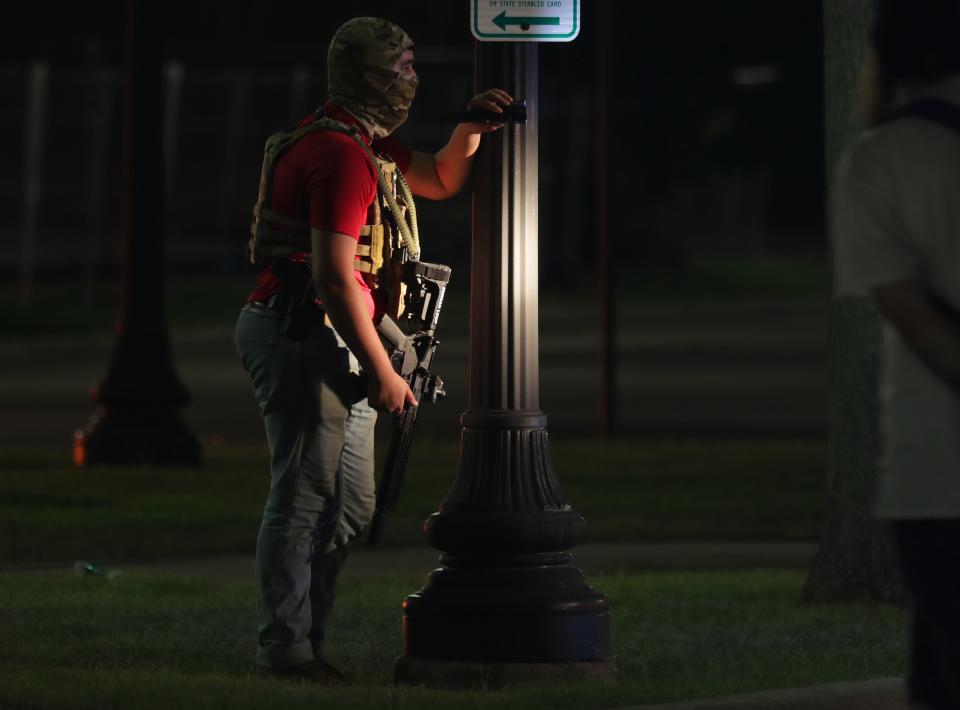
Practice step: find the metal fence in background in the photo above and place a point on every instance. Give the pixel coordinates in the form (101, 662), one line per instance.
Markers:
(60, 184)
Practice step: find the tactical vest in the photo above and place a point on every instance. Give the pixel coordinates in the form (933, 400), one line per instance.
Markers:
(389, 238)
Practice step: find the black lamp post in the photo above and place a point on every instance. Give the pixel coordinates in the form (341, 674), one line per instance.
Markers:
(138, 419)
(505, 606)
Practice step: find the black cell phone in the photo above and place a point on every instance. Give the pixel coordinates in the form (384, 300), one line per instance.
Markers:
(516, 112)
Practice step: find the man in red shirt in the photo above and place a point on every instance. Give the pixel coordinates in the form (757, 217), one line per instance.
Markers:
(330, 185)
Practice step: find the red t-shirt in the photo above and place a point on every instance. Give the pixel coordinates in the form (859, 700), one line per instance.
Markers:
(327, 179)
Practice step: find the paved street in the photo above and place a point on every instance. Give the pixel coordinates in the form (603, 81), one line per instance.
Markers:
(751, 370)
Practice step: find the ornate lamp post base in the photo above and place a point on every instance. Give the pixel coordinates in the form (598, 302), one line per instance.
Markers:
(138, 420)
(128, 438)
(505, 606)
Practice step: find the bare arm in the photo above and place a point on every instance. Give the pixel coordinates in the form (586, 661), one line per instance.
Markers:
(925, 325)
(443, 175)
(334, 280)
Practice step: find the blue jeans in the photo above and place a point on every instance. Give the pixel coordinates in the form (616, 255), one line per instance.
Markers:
(319, 431)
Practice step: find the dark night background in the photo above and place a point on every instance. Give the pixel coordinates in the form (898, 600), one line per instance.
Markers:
(715, 125)
(716, 191)
(704, 454)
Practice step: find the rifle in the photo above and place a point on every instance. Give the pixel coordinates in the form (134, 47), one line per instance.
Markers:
(412, 345)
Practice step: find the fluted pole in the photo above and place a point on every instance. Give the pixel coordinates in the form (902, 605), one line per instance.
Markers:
(505, 606)
(504, 341)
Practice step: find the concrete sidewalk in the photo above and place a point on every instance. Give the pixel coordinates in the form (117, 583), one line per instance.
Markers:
(879, 694)
(591, 558)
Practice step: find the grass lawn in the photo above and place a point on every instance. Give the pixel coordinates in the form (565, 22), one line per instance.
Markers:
(50, 511)
(144, 640)
(149, 640)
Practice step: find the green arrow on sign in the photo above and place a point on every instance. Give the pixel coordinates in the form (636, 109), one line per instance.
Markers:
(502, 20)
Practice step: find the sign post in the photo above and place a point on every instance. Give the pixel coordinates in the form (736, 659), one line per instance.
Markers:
(505, 606)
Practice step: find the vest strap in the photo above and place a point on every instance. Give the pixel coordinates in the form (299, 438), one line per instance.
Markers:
(274, 234)
(299, 225)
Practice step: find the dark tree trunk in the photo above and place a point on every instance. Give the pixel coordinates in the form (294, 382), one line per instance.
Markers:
(856, 559)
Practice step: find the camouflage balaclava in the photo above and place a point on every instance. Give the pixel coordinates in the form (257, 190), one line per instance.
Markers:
(359, 77)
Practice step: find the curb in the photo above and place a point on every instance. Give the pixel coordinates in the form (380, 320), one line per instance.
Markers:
(877, 694)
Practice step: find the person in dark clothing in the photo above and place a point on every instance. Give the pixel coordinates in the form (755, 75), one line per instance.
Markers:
(897, 241)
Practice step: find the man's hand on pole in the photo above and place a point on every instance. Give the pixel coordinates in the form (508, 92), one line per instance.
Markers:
(444, 174)
(490, 100)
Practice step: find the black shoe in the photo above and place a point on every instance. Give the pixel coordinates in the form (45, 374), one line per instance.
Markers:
(315, 671)
(330, 669)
